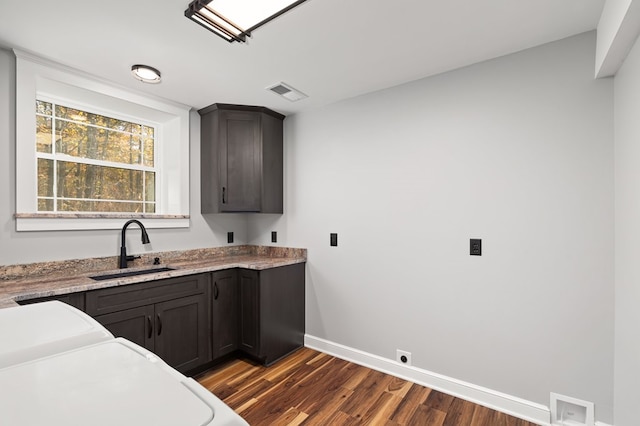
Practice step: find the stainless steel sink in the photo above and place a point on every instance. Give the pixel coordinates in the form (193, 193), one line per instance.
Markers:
(131, 273)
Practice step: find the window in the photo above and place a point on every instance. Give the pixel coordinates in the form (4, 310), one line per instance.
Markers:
(93, 163)
(90, 153)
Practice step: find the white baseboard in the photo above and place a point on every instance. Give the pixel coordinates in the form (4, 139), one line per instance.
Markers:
(518, 407)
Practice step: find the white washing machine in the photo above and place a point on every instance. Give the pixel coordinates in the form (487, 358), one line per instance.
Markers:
(114, 382)
(60, 367)
(32, 331)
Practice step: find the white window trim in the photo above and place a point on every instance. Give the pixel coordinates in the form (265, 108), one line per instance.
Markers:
(36, 76)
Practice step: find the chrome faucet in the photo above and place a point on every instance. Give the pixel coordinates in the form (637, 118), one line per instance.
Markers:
(123, 250)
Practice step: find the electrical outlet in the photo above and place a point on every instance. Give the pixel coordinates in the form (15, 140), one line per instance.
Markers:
(333, 240)
(229, 237)
(475, 247)
(274, 237)
(403, 357)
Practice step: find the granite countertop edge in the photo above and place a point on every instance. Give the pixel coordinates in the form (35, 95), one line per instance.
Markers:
(14, 291)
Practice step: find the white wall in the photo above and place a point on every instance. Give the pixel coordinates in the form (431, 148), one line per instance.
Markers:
(627, 217)
(26, 247)
(517, 151)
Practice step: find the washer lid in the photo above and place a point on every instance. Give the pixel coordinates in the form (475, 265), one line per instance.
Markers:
(110, 383)
(32, 331)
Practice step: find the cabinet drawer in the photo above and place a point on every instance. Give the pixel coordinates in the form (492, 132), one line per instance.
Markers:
(115, 299)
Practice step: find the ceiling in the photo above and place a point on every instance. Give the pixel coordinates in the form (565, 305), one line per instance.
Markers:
(329, 49)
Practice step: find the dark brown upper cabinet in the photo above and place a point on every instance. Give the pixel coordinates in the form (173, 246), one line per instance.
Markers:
(241, 159)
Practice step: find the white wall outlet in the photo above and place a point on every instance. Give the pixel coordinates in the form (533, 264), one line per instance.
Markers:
(403, 357)
(568, 411)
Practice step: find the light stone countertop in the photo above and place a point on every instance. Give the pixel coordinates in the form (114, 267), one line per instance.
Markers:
(29, 281)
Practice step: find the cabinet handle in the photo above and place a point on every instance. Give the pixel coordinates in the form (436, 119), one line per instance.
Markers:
(150, 327)
(159, 325)
(224, 190)
(215, 291)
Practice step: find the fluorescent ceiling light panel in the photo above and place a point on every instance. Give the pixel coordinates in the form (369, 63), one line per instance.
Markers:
(248, 13)
(233, 20)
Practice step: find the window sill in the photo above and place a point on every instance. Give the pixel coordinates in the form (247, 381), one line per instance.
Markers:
(93, 221)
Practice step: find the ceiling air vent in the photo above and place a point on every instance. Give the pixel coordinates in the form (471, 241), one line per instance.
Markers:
(287, 92)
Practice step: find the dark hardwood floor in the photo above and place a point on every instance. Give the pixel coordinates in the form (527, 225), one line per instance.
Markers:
(312, 388)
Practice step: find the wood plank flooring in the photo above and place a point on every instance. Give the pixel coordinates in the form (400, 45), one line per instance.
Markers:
(313, 388)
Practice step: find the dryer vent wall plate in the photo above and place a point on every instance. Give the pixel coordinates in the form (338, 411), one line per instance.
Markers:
(568, 411)
(287, 92)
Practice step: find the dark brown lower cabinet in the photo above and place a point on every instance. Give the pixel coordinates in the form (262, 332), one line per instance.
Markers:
(177, 329)
(224, 312)
(249, 330)
(134, 324)
(193, 320)
(182, 332)
(272, 311)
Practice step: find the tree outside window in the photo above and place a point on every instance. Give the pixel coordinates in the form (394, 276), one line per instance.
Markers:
(93, 163)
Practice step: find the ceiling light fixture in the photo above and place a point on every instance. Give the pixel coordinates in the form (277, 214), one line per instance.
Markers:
(146, 74)
(234, 20)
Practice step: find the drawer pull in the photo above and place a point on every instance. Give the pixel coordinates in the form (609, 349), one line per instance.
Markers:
(215, 291)
(159, 325)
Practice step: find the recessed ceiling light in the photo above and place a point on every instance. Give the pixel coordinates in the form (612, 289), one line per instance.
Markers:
(146, 73)
(233, 20)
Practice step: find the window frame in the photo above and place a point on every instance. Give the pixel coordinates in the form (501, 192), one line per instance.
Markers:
(36, 77)
(55, 156)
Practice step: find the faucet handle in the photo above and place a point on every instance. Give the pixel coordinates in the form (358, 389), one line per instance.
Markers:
(130, 258)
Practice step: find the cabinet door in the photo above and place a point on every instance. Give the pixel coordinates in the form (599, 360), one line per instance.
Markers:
(224, 311)
(135, 324)
(249, 287)
(240, 161)
(182, 332)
